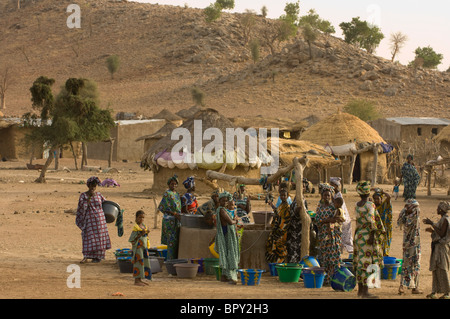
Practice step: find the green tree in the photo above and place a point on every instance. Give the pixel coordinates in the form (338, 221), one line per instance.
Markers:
(292, 12)
(313, 19)
(42, 97)
(226, 4)
(73, 118)
(255, 49)
(364, 109)
(198, 96)
(363, 35)
(279, 31)
(113, 63)
(264, 11)
(310, 35)
(430, 58)
(247, 22)
(212, 12)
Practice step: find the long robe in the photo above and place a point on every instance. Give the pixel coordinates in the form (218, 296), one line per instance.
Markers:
(385, 212)
(227, 245)
(276, 251)
(170, 230)
(140, 245)
(411, 179)
(92, 222)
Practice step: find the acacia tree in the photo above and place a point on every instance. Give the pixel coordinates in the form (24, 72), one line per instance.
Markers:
(363, 35)
(397, 42)
(112, 63)
(280, 30)
(430, 58)
(313, 19)
(74, 117)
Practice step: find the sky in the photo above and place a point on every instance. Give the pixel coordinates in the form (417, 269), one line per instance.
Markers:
(426, 23)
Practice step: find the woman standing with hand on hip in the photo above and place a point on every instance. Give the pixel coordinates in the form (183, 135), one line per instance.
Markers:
(92, 222)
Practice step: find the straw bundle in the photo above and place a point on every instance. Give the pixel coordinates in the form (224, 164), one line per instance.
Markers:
(162, 132)
(168, 116)
(443, 136)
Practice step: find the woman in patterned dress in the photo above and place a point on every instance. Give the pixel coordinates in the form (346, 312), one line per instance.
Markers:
(189, 203)
(294, 234)
(243, 204)
(382, 201)
(409, 221)
(227, 242)
(329, 233)
(91, 220)
(410, 178)
(170, 206)
(276, 242)
(367, 242)
(347, 236)
(140, 245)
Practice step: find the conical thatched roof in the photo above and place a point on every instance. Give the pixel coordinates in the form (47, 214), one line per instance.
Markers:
(340, 129)
(167, 115)
(269, 123)
(210, 119)
(289, 149)
(162, 132)
(444, 135)
(188, 113)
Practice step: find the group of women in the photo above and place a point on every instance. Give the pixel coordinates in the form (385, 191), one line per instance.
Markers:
(331, 225)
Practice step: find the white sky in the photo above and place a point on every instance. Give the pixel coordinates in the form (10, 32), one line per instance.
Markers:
(426, 23)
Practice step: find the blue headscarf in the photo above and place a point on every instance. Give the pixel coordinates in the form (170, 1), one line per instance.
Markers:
(189, 182)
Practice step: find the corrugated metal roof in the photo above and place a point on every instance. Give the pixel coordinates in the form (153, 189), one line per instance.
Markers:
(419, 120)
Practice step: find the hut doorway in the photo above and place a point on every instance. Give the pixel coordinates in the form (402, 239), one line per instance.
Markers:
(357, 170)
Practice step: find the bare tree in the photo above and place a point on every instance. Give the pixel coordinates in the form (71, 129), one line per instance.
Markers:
(397, 42)
(5, 81)
(247, 21)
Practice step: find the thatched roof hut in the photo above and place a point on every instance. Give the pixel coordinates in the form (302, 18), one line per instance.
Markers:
(443, 139)
(168, 116)
(288, 128)
(345, 134)
(188, 113)
(151, 139)
(189, 160)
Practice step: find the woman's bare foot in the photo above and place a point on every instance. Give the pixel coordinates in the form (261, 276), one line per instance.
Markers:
(84, 260)
(139, 282)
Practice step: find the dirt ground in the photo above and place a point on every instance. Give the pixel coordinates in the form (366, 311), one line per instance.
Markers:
(40, 241)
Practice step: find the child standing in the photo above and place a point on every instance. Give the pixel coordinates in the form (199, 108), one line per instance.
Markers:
(140, 244)
(396, 188)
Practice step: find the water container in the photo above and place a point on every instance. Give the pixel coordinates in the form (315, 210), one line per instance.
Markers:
(343, 280)
(390, 271)
(209, 263)
(251, 277)
(289, 272)
(313, 277)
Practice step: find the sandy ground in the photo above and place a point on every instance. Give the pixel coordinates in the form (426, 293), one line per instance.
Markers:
(40, 241)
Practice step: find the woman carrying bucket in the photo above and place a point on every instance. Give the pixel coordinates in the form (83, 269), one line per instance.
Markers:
(367, 242)
(409, 221)
(329, 232)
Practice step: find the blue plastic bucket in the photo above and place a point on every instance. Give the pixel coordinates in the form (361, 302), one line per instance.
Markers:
(250, 277)
(309, 261)
(389, 260)
(199, 261)
(313, 277)
(343, 280)
(390, 271)
(273, 270)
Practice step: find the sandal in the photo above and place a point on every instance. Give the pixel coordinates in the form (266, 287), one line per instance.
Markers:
(432, 296)
(444, 297)
(416, 292)
(84, 260)
(95, 260)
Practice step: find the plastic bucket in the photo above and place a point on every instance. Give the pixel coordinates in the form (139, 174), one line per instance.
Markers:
(170, 265)
(162, 253)
(400, 261)
(309, 261)
(343, 280)
(389, 271)
(389, 260)
(313, 277)
(186, 270)
(209, 263)
(199, 261)
(289, 272)
(125, 264)
(273, 269)
(217, 271)
(250, 277)
(125, 252)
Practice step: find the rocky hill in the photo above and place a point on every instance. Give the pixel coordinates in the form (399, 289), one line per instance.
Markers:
(166, 50)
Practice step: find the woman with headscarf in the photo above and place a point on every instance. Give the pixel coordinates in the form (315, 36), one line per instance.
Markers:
(409, 221)
(227, 242)
(92, 222)
(243, 205)
(329, 233)
(276, 242)
(382, 201)
(410, 178)
(170, 206)
(347, 236)
(294, 233)
(440, 252)
(189, 203)
(367, 242)
(208, 209)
